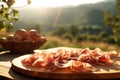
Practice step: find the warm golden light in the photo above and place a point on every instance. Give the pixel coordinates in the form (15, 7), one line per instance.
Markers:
(59, 3)
(54, 3)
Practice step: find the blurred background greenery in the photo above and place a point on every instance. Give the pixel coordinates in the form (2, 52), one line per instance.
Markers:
(87, 25)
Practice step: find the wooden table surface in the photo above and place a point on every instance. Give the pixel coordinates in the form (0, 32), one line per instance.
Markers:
(6, 73)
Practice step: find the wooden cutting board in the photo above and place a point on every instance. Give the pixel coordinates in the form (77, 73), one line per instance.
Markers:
(104, 72)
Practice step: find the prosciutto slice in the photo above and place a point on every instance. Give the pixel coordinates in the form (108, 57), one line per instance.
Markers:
(104, 60)
(78, 60)
(30, 60)
(79, 66)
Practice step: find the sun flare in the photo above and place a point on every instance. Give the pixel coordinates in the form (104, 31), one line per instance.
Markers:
(54, 3)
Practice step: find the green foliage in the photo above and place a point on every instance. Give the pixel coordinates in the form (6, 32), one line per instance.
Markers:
(51, 45)
(89, 14)
(84, 33)
(113, 20)
(8, 14)
(36, 27)
(79, 23)
(55, 41)
(59, 31)
(80, 38)
(73, 30)
(67, 36)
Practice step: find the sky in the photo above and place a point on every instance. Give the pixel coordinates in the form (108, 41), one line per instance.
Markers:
(54, 3)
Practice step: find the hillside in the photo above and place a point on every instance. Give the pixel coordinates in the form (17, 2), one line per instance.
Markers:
(87, 14)
(76, 26)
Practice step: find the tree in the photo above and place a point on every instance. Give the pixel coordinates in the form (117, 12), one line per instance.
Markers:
(8, 14)
(73, 30)
(113, 20)
(36, 27)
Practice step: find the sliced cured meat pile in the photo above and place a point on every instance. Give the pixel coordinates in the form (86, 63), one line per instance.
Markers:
(77, 60)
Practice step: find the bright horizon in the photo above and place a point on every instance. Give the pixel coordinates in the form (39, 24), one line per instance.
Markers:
(54, 3)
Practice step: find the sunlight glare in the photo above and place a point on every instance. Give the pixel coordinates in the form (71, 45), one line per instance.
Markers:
(54, 3)
(59, 3)
(19, 3)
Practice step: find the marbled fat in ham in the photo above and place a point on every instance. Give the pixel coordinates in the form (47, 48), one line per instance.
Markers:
(77, 60)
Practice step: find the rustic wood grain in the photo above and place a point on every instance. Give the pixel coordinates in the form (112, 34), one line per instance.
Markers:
(6, 73)
(103, 72)
(10, 71)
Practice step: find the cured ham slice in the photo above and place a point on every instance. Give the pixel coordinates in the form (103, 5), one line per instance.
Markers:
(85, 51)
(104, 60)
(75, 52)
(44, 65)
(78, 60)
(39, 63)
(63, 65)
(63, 54)
(79, 66)
(84, 58)
(112, 54)
(28, 61)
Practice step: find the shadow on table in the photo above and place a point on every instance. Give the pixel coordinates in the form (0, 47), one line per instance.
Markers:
(8, 56)
(18, 76)
(4, 78)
